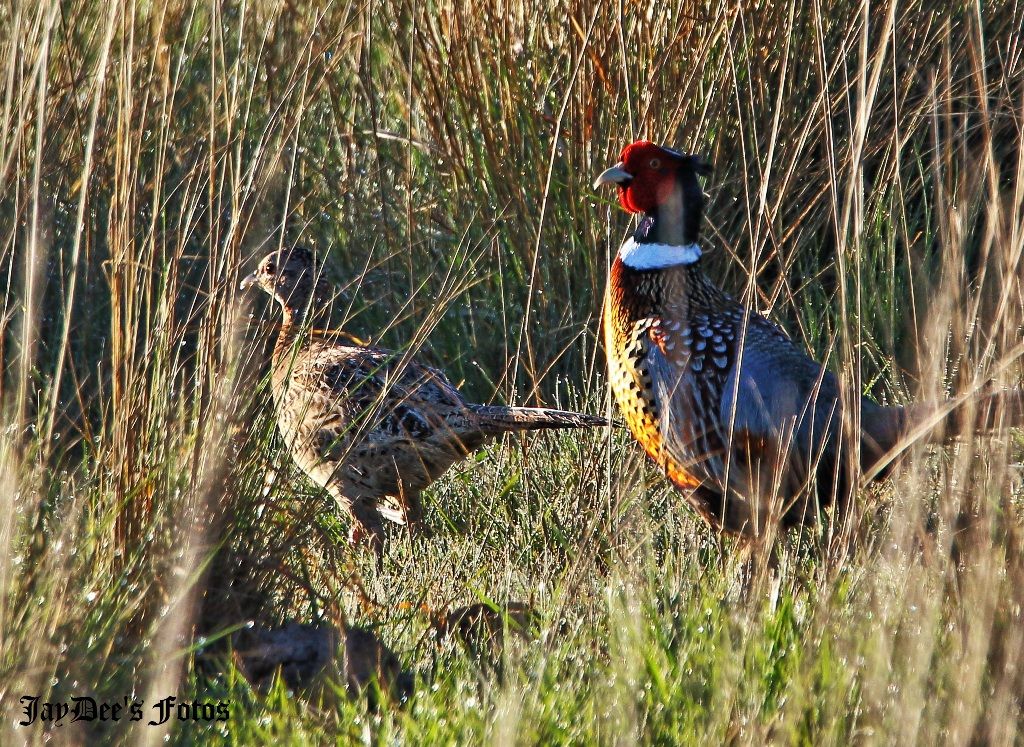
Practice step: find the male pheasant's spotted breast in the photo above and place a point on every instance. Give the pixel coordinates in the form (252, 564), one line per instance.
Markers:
(627, 341)
(663, 354)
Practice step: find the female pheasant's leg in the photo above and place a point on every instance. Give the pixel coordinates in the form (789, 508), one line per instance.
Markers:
(413, 504)
(367, 528)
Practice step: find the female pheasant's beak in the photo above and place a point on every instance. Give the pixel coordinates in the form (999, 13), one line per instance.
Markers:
(249, 280)
(617, 174)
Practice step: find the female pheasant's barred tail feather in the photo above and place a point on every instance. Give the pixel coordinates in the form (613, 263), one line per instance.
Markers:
(499, 419)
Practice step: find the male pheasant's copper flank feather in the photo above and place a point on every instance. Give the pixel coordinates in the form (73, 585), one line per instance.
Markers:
(371, 426)
(737, 415)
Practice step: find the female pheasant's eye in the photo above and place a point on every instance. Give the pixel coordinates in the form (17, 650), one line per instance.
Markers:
(655, 163)
(269, 268)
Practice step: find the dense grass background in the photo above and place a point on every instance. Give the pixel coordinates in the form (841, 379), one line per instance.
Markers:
(868, 194)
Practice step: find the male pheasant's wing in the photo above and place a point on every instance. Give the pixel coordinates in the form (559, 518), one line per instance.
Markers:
(784, 410)
(743, 408)
(782, 391)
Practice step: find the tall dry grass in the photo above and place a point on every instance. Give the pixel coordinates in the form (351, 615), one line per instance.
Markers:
(868, 191)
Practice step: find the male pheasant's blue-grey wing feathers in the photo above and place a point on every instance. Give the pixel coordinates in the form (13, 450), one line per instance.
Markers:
(776, 425)
(695, 443)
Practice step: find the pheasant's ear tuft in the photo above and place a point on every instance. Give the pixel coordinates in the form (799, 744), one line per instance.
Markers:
(702, 166)
(302, 254)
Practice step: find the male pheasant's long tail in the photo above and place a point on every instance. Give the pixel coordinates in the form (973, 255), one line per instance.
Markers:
(498, 419)
(895, 427)
(948, 420)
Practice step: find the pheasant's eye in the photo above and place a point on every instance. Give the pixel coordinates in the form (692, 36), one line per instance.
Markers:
(655, 163)
(269, 268)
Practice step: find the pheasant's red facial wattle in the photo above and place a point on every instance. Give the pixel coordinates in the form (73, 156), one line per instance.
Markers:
(653, 170)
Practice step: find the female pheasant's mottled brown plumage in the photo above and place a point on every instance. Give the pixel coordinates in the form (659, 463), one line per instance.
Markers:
(371, 426)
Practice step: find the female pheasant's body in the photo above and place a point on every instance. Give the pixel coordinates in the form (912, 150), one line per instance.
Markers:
(371, 426)
(367, 423)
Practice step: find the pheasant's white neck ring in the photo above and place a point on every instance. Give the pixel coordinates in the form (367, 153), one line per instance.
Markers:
(644, 256)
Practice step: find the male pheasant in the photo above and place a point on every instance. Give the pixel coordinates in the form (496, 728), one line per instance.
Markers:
(735, 413)
(371, 426)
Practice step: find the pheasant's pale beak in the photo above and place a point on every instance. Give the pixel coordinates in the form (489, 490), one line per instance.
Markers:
(248, 281)
(615, 175)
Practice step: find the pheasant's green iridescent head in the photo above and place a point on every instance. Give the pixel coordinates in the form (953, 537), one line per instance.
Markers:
(291, 276)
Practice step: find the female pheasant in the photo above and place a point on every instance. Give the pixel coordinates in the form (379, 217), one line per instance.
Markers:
(737, 415)
(369, 425)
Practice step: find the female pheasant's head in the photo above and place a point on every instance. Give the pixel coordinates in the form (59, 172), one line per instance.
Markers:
(662, 183)
(292, 277)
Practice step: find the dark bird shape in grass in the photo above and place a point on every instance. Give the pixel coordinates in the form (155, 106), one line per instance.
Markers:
(371, 426)
(488, 632)
(482, 626)
(301, 653)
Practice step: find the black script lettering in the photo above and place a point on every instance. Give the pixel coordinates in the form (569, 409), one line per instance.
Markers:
(204, 711)
(54, 712)
(84, 709)
(31, 709)
(110, 711)
(163, 708)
